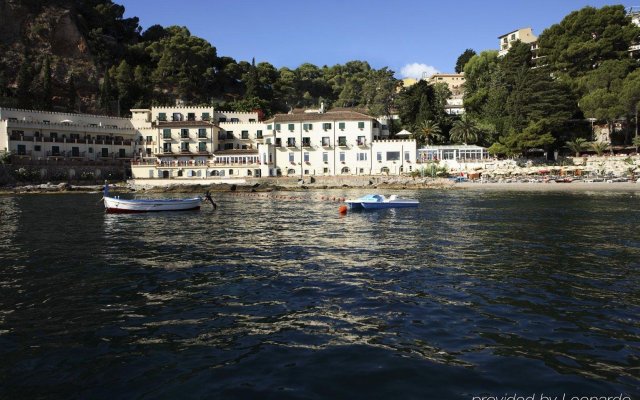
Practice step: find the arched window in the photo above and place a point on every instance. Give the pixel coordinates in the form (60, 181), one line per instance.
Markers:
(291, 171)
(248, 172)
(215, 172)
(384, 170)
(345, 170)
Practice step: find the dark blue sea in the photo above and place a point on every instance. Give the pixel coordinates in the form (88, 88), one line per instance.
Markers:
(474, 293)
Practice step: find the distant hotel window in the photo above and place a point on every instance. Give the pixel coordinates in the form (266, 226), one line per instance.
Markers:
(277, 127)
(184, 146)
(341, 126)
(362, 156)
(162, 117)
(291, 158)
(166, 133)
(342, 140)
(202, 146)
(229, 135)
(325, 157)
(184, 133)
(122, 153)
(149, 139)
(290, 127)
(361, 125)
(407, 156)
(205, 117)
(393, 155)
(306, 142)
(342, 156)
(379, 156)
(306, 156)
(307, 127)
(202, 133)
(291, 142)
(259, 134)
(326, 125)
(326, 141)
(245, 134)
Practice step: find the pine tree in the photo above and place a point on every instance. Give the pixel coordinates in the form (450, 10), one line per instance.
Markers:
(106, 93)
(46, 85)
(23, 92)
(72, 94)
(252, 81)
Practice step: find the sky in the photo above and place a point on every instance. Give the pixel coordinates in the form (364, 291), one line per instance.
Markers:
(407, 36)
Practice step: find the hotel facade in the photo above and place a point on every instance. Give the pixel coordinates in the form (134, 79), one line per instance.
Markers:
(204, 143)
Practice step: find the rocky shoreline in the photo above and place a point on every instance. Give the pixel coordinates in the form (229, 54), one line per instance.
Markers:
(270, 186)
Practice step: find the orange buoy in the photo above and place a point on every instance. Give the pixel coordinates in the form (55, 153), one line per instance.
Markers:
(342, 209)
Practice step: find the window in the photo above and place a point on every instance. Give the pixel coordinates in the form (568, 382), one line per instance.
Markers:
(362, 156)
(291, 142)
(393, 155)
(202, 133)
(202, 146)
(149, 139)
(176, 117)
(325, 170)
(379, 156)
(342, 140)
(277, 127)
(105, 152)
(341, 126)
(290, 127)
(407, 156)
(222, 119)
(326, 125)
(166, 148)
(245, 134)
(55, 150)
(122, 153)
(278, 142)
(229, 134)
(259, 134)
(184, 146)
(206, 116)
(37, 147)
(75, 151)
(162, 117)
(360, 125)
(292, 158)
(269, 127)
(22, 149)
(184, 134)
(306, 142)
(191, 117)
(325, 157)
(361, 141)
(166, 133)
(375, 124)
(306, 156)
(228, 146)
(343, 156)
(307, 127)
(326, 141)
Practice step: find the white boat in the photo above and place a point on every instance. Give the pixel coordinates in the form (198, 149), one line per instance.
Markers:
(378, 201)
(118, 205)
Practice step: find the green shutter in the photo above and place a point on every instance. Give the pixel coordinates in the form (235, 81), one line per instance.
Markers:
(277, 127)
(361, 125)
(291, 127)
(341, 125)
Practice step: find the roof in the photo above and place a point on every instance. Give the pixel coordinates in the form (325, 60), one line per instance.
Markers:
(327, 116)
(184, 123)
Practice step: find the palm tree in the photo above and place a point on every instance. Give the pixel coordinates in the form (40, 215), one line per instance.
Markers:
(599, 147)
(465, 131)
(429, 132)
(577, 145)
(636, 142)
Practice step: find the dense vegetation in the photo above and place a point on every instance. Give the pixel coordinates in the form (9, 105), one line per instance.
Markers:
(514, 103)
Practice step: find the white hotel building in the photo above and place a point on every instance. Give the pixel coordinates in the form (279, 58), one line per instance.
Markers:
(200, 142)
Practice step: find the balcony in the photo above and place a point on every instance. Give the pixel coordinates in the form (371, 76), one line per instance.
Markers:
(362, 143)
(343, 143)
(184, 138)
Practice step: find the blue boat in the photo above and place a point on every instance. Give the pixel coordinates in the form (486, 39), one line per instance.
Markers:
(378, 201)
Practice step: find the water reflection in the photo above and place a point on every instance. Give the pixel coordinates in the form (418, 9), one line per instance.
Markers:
(481, 286)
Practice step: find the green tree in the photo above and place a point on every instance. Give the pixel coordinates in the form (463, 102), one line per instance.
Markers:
(587, 37)
(599, 147)
(603, 105)
(463, 59)
(251, 81)
(106, 96)
(23, 83)
(429, 133)
(465, 131)
(72, 94)
(577, 145)
(126, 88)
(636, 142)
(47, 95)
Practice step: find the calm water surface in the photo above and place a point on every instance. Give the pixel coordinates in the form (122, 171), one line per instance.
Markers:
(472, 293)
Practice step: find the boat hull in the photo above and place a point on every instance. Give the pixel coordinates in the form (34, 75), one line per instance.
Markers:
(121, 206)
(377, 202)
